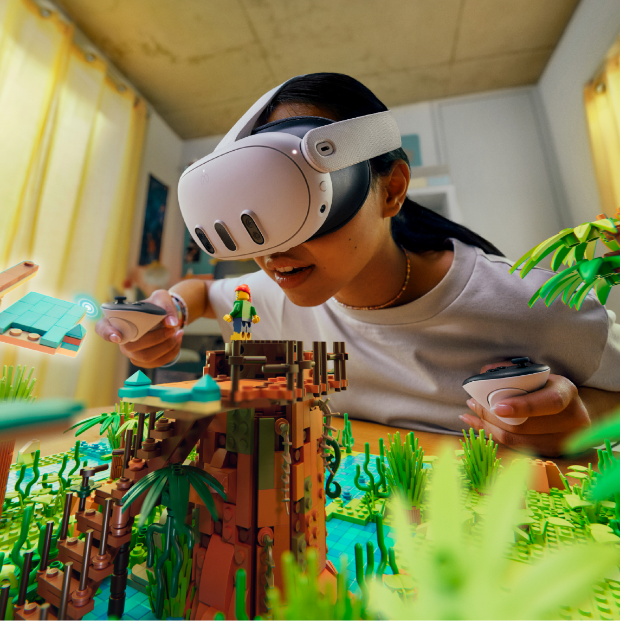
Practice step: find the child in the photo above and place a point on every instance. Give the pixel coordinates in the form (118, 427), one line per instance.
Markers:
(421, 302)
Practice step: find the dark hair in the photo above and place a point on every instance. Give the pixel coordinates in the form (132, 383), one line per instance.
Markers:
(415, 227)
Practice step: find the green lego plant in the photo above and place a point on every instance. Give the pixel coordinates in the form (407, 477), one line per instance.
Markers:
(18, 387)
(302, 597)
(170, 487)
(347, 435)
(452, 566)
(110, 423)
(575, 248)
(405, 473)
(373, 491)
(480, 459)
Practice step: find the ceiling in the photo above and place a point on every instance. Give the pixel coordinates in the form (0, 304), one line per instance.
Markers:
(202, 63)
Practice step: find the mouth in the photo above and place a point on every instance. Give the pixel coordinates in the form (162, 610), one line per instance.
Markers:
(289, 277)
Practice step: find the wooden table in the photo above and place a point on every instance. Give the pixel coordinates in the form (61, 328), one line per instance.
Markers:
(432, 443)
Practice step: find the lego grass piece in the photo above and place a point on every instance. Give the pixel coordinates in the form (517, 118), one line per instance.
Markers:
(347, 436)
(405, 473)
(480, 459)
(469, 561)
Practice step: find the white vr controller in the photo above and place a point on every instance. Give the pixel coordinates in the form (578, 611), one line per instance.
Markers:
(495, 385)
(261, 194)
(133, 320)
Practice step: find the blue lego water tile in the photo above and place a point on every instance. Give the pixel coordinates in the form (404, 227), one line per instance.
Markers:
(6, 320)
(32, 298)
(57, 302)
(20, 307)
(44, 324)
(56, 311)
(76, 311)
(27, 320)
(69, 346)
(42, 307)
(53, 337)
(67, 322)
(206, 389)
(77, 332)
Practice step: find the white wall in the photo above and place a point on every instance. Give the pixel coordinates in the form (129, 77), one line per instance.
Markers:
(198, 148)
(590, 34)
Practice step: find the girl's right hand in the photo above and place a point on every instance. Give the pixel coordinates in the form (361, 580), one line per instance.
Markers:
(157, 347)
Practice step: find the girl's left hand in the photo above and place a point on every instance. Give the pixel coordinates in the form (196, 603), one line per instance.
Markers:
(553, 413)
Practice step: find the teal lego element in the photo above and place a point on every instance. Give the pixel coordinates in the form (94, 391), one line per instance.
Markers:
(77, 332)
(6, 320)
(138, 379)
(70, 346)
(240, 431)
(132, 392)
(56, 311)
(32, 298)
(19, 308)
(42, 307)
(76, 311)
(67, 322)
(266, 453)
(170, 394)
(13, 415)
(27, 320)
(206, 389)
(44, 324)
(53, 338)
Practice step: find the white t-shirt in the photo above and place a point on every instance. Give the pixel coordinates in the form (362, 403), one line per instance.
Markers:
(407, 364)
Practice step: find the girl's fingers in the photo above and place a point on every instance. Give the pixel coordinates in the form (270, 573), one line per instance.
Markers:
(159, 354)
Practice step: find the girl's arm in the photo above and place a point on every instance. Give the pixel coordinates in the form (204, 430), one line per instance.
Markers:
(161, 345)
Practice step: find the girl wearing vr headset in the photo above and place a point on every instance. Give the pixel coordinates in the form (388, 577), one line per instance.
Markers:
(421, 302)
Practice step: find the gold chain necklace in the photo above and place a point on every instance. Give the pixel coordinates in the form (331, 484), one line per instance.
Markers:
(387, 303)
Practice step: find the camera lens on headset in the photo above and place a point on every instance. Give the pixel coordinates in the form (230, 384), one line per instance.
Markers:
(204, 240)
(252, 229)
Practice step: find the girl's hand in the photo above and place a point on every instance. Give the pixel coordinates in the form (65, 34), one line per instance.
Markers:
(155, 348)
(553, 413)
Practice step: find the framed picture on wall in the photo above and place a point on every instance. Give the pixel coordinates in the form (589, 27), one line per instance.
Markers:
(154, 215)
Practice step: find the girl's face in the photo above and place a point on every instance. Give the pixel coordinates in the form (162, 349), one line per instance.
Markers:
(317, 270)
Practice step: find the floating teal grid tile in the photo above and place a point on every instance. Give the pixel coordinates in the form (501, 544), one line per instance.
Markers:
(26, 320)
(42, 307)
(133, 392)
(53, 337)
(67, 322)
(76, 311)
(70, 346)
(20, 307)
(56, 311)
(44, 324)
(32, 298)
(6, 320)
(171, 395)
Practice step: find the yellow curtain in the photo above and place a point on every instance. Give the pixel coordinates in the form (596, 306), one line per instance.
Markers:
(71, 147)
(602, 101)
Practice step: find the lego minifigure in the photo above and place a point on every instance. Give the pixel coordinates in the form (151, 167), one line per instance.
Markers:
(243, 315)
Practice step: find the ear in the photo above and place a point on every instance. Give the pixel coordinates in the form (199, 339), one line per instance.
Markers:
(395, 186)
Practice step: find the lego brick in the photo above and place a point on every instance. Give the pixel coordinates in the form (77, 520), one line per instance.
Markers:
(170, 395)
(6, 320)
(218, 423)
(266, 444)
(44, 324)
(297, 426)
(245, 490)
(137, 379)
(42, 307)
(17, 275)
(19, 308)
(298, 546)
(229, 528)
(316, 424)
(57, 302)
(78, 332)
(56, 311)
(22, 341)
(53, 338)
(68, 339)
(205, 523)
(76, 311)
(26, 320)
(69, 346)
(281, 544)
(297, 482)
(206, 389)
(67, 322)
(271, 510)
(240, 431)
(32, 298)
(216, 581)
(228, 478)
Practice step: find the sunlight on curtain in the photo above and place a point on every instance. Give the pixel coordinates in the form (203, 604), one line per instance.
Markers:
(68, 182)
(602, 100)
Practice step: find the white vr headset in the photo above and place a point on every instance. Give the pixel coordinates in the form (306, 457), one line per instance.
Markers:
(268, 189)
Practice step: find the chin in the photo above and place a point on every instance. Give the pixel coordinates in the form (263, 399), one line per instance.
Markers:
(306, 300)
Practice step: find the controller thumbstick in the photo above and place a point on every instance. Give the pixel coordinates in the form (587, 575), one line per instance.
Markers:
(521, 362)
(120, 299)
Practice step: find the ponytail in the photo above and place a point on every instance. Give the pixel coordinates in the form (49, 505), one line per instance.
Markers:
(416, 228)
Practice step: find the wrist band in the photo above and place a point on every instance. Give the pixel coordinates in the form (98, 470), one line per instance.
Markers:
(172, 362)
(182, 312)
